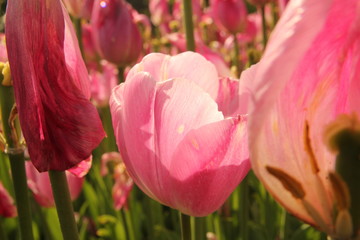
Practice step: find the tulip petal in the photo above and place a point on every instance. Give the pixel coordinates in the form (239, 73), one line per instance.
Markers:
(60, 125)
(7, 206)
(188, 65)
(202, 163)
(302, 85)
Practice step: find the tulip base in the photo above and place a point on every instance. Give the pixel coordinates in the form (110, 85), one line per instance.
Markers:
(64, 205)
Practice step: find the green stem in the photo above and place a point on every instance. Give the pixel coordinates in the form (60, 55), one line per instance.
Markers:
(189, 26)
(17, 163)
(263, 24)
(244, 194)
(78, 29)
(236, 62)
(64, 205)
(3, 235)
(199, 228)
(185, 227)
(284, 225)
(121, 76)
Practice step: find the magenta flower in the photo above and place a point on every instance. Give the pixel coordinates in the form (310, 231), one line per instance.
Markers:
(39, 183)
(60, 125)
(178, 148)
(7, 206)
(79, 8)
(306, 93)
(115, 33)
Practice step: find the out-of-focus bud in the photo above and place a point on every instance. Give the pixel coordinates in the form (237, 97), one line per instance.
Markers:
(89, 50)
(116, 36)
(102, 82)
(230, 15)
(7, 206)
(79, 8)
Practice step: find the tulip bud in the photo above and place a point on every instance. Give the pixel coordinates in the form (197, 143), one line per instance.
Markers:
(230, 15)
(79, 8)
(115, 34)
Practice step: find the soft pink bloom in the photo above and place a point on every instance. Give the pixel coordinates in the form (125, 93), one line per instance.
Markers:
(188, 155)
(7, 206)
(178, 40)
(123, 182)
(308, 77)
(39, 184)
(79, 8)
(60, 125)
(102, 82)
(115, 33)
(229, 14)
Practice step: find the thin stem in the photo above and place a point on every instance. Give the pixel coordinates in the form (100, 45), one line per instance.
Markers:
(121, 74)
(17, 163)
(199, 228)
(189, 26)
(64, 205)
(185, 227)
(263, 24)
(236, 63)
(78, 29)
(284, 225)
(244, 193)
(3, 235)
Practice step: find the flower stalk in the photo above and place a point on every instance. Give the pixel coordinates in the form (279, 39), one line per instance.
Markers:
(17, 162)
(189, 25)
(64, 205)
(185, 226)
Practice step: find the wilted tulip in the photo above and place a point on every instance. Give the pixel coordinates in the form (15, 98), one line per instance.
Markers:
(60, 125)
(39, 184)
(305, 128)
(7, 206)
(229, 14)
(115, 34)
(176, 145)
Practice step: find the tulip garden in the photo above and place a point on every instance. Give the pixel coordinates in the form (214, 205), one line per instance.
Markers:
(180, 120)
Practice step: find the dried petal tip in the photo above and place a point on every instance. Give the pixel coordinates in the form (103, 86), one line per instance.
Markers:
(343, 225)
(5, 70)
(288, 182)
(343, 124)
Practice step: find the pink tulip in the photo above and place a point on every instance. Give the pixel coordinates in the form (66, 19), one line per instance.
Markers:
(306, 91)
(178, 40)
(229, 14)
(3, 52)
(7, 206)
(159, 10)
(176, 145)
(60, 125)
(115, 34)
(39, 184)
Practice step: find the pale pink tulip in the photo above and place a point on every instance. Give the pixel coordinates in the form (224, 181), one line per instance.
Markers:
(7, 206)
(176, 145)
(39, 184)
(60, 125)
(306, 90)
